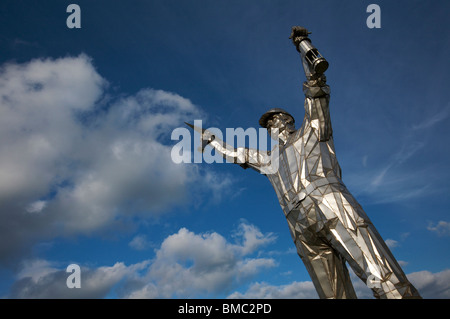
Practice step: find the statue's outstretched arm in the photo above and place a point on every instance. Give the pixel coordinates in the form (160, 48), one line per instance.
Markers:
(245, 157)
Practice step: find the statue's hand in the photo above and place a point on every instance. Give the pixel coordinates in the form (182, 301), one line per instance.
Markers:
(316, 79)
(208, 137)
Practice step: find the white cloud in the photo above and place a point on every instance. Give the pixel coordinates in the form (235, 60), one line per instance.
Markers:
(252, 237)
(442, 228)
(186, 265)
(74, 160)
(190, 265)
(140, 242)
(295, 290)
(39, 280)
(391, 243)
(37, 103)
(36, 269)
(430, 286)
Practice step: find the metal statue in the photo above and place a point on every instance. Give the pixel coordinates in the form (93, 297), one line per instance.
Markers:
(327, 224)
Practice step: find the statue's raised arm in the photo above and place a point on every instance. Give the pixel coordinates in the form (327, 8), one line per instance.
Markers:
(317, 92)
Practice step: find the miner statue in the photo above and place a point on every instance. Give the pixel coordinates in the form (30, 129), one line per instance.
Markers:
(328, 226)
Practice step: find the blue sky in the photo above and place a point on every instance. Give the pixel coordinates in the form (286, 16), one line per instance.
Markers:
(85, 122)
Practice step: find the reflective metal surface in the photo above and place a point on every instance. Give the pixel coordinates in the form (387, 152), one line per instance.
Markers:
(328, 226)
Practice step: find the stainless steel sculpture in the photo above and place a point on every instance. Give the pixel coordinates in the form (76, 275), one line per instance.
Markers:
(327, 224)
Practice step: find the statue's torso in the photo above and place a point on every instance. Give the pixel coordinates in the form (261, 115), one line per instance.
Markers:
(304, 163)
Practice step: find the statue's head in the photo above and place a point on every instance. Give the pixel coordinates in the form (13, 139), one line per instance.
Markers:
(277, 118)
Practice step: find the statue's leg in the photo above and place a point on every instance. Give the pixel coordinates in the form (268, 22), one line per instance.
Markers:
(353, 235)
(325, 265)
(327, 270)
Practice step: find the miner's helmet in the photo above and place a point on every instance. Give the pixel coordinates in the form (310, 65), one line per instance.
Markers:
(266, 116)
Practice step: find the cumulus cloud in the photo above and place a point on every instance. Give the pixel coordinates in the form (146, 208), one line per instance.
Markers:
(39, 280)
(75, 159)
(263, 290)
(430, 286)
(294, 290)
(189, 264)
(186, 265)
(252, 237)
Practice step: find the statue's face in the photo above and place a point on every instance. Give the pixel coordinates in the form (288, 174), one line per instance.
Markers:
(283, 122)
